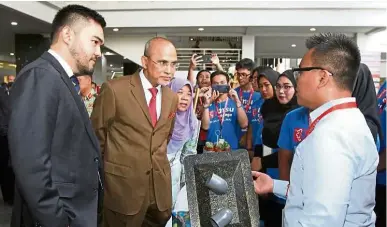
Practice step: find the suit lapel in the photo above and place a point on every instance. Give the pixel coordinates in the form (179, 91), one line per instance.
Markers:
(81, 106)
(166, 102)
(139, 95)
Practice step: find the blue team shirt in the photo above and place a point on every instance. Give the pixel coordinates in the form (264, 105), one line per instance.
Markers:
(257, 122)
(256, 98)
(381, 96)
(381, 177)
(229, 130)
(293, 129)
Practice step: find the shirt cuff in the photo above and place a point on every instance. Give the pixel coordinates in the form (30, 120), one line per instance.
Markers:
(280, 188)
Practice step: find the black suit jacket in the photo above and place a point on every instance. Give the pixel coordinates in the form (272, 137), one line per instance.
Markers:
(4, 112)
(54, 151)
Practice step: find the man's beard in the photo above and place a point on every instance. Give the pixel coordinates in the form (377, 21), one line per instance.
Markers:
(82, 69)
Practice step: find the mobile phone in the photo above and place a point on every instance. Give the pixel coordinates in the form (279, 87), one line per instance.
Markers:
(206, 59)
(221, 88)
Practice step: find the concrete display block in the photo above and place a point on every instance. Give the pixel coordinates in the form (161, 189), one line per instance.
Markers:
(240, 198)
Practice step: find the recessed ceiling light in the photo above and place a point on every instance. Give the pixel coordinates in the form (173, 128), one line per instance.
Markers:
(12, 54)
(111, 65)
(201, 29)
(116, 29)
(312, 29)
(294, 45)
(14, 23)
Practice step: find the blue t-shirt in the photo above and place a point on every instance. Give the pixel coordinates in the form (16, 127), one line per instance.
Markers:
(381, 177)
(245, 97)
(229, 129)
(381, 96)
(293, 129)
(257, 122)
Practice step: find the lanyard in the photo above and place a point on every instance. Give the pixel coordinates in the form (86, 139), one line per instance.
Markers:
(382, 94)
(342, 106)
(249, 100)
(221, 118)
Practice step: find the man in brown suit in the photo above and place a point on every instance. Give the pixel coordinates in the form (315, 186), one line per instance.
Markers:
(133, 117)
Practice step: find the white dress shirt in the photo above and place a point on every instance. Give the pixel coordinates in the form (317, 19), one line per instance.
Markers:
(333, 174)
(62, 62)
(148, 95)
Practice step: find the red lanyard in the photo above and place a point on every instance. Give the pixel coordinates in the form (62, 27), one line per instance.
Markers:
(342, 106)
(382, 94)
(249, 100)
(221, 118)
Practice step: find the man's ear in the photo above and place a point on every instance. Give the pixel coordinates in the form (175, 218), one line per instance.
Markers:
(323, 78)
(144, 62)
(67, 35)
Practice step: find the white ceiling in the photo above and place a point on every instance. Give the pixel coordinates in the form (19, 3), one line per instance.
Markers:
(257, 31)
(270, 41)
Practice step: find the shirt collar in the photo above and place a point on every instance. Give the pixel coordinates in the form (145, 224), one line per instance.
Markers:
(90, 95)
(62, 62)
(145, 82)
(320, 110)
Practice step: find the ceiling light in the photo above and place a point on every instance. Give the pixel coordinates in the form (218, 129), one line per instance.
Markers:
(14, 23)
(312, 29)
(201, 29)
(116, 29)
(294, 45)
(111, 65)
(191, 39)
(12, 54)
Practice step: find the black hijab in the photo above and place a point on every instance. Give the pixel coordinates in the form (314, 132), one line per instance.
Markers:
(273, 112)
(365, 94)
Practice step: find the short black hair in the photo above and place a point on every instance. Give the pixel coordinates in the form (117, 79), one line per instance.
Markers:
(203, 70)
(217, 73)
(72, 13)
(245, 63)
(92, 82)
(338, 54)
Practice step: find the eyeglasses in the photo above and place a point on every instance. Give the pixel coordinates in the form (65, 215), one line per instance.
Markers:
(285, 87)
(297, 72)
(243, 75)
(165, 64)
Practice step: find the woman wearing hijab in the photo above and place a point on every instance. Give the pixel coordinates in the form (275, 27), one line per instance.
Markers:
(273, 111)
(277, 104)
(265, 81)
(183, 140)
(364, 92)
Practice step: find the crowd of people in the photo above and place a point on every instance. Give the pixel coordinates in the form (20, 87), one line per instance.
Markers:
(112, 158)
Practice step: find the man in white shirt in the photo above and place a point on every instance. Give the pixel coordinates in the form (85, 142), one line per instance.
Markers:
(333, 175)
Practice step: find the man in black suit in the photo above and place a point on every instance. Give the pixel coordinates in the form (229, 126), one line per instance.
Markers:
(54, 151)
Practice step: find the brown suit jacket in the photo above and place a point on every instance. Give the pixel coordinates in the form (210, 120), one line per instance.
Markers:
(132, 149)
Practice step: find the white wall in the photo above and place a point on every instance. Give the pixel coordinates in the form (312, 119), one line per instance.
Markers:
(131, 47)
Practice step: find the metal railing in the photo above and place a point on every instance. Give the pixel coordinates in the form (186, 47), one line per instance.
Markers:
(227, 57)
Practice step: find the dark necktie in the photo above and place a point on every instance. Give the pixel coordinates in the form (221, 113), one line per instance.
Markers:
(152, 105)
(75, 81)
